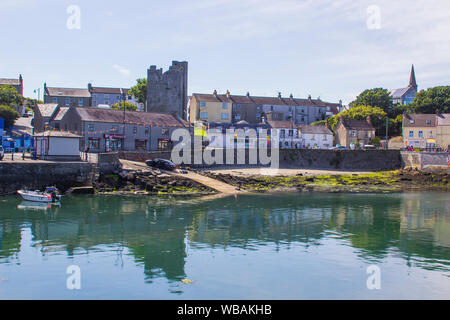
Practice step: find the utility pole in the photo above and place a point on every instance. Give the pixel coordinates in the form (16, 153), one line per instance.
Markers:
(387, 124)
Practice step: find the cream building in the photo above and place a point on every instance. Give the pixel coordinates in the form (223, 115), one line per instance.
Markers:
(210, 108)
(419, 130)
(443, 130)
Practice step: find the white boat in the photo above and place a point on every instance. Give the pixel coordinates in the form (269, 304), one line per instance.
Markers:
(50, 195)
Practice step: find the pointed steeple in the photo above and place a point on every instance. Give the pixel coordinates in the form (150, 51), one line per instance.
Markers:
(412, 78)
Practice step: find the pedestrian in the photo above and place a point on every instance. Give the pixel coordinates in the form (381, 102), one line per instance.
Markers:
(23, 154)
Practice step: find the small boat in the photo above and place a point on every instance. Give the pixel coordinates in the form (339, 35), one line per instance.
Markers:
(50, 195)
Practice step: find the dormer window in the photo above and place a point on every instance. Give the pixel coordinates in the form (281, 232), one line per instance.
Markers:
(428, 121)
(411, 121)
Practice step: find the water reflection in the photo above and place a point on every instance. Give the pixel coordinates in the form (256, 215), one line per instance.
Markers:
(159, 232)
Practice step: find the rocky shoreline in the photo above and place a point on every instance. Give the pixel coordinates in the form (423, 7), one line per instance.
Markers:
(382, 181)
(157, 182)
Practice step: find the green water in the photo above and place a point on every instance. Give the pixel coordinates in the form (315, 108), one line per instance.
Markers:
(284, 246)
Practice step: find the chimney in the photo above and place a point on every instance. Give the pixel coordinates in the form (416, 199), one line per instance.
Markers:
(215, 93)
(228, 94)
(309, 97)
(89, 87)
(279, 95)
(248, 94)
(291, 96)
(340, 102)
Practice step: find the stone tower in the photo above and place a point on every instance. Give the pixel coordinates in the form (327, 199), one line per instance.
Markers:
(167, 92)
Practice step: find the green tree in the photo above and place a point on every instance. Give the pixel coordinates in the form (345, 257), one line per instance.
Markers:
(9, 115)
(139, 91)
(376, 114)
(128, 106)
(10, 97)
(377, 97)
(431, 100)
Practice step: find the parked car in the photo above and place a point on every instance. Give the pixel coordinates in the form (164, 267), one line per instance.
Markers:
(2, 153)
(161, 164)
(339, 148)
(369, 146)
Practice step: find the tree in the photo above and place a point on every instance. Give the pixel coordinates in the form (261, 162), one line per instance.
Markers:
(9, 115)
(431, 100)
(128, 106)
(377, 97)
(9, 96)
(139, 91)
(376, 114)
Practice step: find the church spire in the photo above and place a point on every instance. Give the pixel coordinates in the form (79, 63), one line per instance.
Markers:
(412, 78)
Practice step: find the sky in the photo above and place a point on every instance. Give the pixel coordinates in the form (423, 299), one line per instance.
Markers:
(323, 48)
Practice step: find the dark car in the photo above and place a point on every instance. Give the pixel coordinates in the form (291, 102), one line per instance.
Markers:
(2, 153)
(161, 164)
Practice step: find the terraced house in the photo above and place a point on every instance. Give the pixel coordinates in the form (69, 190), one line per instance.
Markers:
(104, 130)
(15, 83)
(229, 108)
(67, 96)
(419, 130)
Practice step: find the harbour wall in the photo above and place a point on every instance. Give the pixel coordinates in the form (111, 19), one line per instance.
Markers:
(38, 175)
(297, 158)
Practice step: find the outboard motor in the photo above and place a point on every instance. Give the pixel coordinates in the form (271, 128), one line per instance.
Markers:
(54, 197)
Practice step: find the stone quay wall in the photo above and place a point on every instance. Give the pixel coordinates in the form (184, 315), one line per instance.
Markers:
(38, 175)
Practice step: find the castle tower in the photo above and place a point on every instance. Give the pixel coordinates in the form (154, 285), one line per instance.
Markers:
(167, 92)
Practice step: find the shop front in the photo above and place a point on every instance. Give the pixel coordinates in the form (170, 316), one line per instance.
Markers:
(114, 142)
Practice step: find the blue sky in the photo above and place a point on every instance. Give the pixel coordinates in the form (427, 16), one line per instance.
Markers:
(320, 47)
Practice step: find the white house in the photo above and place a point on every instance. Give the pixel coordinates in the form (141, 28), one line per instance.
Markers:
(57, 145)
(315, 137)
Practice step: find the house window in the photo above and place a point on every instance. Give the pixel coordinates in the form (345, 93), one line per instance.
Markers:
(239, 107)
(147, 131)
(354, 133)
(135, 130)
(224, 116)
(165, 131)
(80, 102)
(411, 134)
(224, 105)
(237, 117)
(93, 143)
(203, 115)
(140, 144)
(90, 127)
(106, 99)
(282, 133)
(55, 100)
(428, 121)
(420, 134)
(202, 104)
(67, 101)
(291, 133)
(313, 137)
(324, 137)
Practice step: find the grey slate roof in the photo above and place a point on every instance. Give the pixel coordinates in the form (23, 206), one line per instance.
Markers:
(10, 82)
(443, 119)
(61, 113)
(304, 128)
(265, 100)
(68, 92)
(89, 114)
(419, 120)
(47, 109)
(357, 124)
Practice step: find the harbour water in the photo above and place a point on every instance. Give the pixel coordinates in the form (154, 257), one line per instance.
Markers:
(268, 246)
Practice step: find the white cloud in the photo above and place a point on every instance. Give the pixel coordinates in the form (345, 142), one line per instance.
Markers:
(122, 70)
